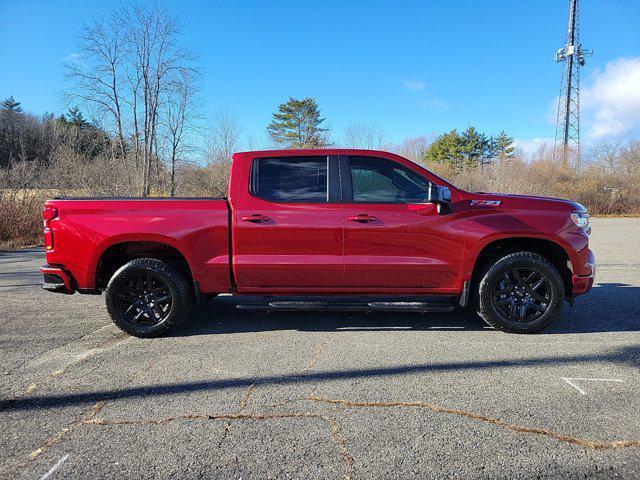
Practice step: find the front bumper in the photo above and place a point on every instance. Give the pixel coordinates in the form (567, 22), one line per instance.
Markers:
(583, 283)
(57, 279)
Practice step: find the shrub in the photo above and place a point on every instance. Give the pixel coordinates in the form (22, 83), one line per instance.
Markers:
(20, 224)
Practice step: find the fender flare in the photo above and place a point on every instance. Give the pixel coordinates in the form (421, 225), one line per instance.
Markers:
(471, 257)
(103, 246)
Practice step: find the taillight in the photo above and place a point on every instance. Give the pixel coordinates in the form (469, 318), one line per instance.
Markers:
(48, 238)
(48, 213)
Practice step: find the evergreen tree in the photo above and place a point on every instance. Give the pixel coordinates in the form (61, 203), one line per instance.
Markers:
(296, 124)
(476, 147)
(503, 146)
(11, 105)
(447, 148)
(76, 118)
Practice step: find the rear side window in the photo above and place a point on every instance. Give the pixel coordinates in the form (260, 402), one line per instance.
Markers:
(376, 180)
(290, 179)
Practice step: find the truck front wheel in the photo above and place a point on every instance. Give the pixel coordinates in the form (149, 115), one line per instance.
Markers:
(147, 297)
(521, 293)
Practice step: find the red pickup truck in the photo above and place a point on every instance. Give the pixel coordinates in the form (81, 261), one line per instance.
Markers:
(319, 225)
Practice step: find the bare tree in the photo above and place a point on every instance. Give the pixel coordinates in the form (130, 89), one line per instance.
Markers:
(606, 153)
(129, 63)
(630, 158)
(413, 148)
(224, 136)
(366, 136)
(180, 116)
(96, 71)
(161, 58)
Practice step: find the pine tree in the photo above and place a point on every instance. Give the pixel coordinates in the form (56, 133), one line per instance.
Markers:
(296, 124)
(503, 146)
(11, 105)
(447, 148)
(76, 118)
(476, 147)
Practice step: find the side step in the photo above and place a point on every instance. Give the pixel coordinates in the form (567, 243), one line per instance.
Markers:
(323, 306)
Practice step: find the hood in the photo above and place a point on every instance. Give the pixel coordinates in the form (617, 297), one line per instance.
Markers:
(512, 201)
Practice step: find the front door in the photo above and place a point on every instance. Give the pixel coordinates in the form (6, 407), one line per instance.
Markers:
(288, 228)
(392, 238)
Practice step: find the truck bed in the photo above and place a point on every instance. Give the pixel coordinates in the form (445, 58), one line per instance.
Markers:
(88, 228)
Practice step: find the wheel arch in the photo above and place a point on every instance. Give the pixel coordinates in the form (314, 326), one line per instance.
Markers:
(552, 250)
(123, 250)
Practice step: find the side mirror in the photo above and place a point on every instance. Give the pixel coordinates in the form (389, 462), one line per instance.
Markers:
(438, 194)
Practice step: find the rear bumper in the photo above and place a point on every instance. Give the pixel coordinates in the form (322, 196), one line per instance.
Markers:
(583, 283)
(56, 279)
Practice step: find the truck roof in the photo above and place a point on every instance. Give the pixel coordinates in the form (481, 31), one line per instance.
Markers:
(314, 151)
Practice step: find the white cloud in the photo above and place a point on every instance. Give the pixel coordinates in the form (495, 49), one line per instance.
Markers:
(73, 57)
(611, 101)
(529, 146)
(436, 103)
(415, 85)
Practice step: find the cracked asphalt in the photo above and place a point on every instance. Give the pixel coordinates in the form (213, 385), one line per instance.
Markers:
(239, 394)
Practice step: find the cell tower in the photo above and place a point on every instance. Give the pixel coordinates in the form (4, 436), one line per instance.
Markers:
(567, 141)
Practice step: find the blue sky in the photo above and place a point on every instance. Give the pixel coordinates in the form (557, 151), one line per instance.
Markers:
(410, 67)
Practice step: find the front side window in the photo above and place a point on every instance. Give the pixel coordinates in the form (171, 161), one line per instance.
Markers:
(290, 179)
(376, 180)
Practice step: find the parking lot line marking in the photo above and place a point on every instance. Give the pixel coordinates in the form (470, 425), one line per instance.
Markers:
(55, 467)
(571, 381)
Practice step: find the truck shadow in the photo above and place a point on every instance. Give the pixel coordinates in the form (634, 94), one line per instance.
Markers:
(623, 355)
(609, 307)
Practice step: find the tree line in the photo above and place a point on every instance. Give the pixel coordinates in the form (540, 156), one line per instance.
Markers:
(27, 138)
(66, 154)
(297, 123)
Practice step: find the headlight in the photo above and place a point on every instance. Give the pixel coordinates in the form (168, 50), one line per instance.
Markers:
(580, 219)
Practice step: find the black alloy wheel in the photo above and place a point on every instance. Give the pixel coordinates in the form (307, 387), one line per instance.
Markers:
(148, 297)
(521, 294)
(145, 299)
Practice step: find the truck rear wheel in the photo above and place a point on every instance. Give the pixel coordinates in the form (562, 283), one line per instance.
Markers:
(148, 297)
(521, 293)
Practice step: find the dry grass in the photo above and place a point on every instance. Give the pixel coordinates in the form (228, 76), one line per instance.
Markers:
(20, 225)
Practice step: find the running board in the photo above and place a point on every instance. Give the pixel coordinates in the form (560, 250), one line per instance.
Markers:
(297, 306)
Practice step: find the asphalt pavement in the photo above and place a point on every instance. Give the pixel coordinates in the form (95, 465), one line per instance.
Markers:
(240, 394)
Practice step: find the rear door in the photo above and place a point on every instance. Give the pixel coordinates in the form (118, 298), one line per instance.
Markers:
(288, 225)
(393, 239)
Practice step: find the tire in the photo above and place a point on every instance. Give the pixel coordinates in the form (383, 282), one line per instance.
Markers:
(148, 297)
(514, 289)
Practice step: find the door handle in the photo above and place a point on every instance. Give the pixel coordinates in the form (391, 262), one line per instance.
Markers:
(362, 218)
(255, 218)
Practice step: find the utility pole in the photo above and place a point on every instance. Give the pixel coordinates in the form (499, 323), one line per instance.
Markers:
(572, 56)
